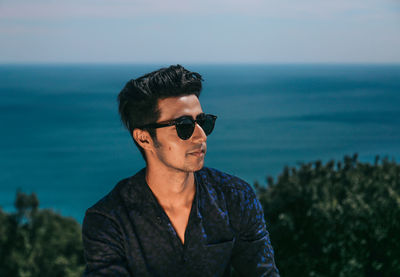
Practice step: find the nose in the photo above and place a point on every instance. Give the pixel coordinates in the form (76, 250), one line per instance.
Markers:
(198, 134)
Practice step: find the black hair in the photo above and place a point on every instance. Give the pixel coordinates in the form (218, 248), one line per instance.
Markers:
(138, 100)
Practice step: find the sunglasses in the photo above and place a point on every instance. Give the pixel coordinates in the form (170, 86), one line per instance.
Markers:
(185, 124)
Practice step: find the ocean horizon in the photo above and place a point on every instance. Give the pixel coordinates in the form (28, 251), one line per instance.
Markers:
(62, 137)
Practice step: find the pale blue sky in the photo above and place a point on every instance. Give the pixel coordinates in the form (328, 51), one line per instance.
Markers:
(202, 31)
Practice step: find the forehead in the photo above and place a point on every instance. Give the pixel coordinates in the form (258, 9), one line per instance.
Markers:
(173, 107)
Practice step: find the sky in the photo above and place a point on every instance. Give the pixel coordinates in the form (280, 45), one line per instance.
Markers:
(202, 31)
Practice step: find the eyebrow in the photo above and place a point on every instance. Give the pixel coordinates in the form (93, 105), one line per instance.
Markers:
(173, 119)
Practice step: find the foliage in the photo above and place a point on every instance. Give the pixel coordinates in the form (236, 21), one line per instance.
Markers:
(37, 242)
(338, 219)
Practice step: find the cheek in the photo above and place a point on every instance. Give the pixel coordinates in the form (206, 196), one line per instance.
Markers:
(173, 149)
(176, 150)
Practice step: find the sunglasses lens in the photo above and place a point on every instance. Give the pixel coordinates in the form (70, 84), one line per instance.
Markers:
(207, 123)
(185, 125)
(185, 128)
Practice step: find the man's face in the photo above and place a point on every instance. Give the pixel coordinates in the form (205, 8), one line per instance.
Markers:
(173, 152)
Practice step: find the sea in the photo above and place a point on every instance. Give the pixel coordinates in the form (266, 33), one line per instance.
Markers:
(61, 136)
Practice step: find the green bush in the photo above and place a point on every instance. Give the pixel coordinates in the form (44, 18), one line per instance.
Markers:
(37, 242)
(335, 219)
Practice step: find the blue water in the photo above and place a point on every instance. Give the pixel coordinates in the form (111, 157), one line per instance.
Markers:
(61, 136)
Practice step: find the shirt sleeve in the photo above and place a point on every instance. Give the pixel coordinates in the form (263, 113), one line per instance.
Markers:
(253, 254)
(103, 247)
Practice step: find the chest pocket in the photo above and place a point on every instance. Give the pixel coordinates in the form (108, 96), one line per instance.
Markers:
(218, 256)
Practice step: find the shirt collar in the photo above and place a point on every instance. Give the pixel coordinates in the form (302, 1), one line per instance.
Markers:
(137, 194)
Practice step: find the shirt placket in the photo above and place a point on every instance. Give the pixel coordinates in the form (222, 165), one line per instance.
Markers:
(181, 249)
(172, 233)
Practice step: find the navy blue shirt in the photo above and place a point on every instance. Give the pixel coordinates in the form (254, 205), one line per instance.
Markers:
(127, 233)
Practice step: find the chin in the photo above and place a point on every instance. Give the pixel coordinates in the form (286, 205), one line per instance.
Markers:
(194, 167)
(199, 167)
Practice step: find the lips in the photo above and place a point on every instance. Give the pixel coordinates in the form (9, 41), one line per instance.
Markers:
(198, 152)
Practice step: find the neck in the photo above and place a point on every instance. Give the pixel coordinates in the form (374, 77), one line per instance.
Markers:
(172, 188)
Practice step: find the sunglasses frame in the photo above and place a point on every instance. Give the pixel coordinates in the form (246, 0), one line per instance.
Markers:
(177, 121)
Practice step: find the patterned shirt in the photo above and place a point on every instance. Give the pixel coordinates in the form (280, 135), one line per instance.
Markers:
(127, 233)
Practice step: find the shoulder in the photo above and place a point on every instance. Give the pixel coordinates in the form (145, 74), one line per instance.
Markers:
(113, 204)
(226, 188)
(233, 195)
(221, 181)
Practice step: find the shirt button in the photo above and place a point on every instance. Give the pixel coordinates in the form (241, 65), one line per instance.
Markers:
(159, 219)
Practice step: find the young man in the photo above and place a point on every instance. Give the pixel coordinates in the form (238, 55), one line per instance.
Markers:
(175, 217)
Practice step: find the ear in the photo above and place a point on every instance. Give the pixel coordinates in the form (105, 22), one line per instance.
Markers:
(143, 138)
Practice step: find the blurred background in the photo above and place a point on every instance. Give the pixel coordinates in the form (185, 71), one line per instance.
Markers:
(62, 137)
(291, 82)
